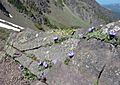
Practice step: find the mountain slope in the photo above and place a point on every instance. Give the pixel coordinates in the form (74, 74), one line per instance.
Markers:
(69, 13)
(115, 8)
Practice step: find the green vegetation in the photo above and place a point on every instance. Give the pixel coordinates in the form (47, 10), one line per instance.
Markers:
(60, 18)
(64, 31)
(98, 34)
(104, 17)
(38, 26)
(96, 83)
(21, 8)
(62, 39)
(60, 2)
(4, 34)
(18, 4)
(67, 60)
(28, 75)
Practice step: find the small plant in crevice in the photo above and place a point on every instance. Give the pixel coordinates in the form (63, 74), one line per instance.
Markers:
(62, 39)
(106, 37)
(18, 4)
(67, 60)
(28, 74)
(38, 26)
(96, 82)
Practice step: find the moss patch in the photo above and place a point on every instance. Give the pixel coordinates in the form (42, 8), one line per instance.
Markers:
(67, 60)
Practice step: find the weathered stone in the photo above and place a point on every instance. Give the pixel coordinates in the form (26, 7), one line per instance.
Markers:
(34, 68)
(92, 55)
(65, 75)
(24, 60)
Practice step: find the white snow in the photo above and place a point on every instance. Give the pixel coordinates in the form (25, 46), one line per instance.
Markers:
(5, 24)
(16, 26)
(9, 27)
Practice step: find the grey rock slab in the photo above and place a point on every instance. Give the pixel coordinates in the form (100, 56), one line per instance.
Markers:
(92, 55)
(34, 68)
(2, 54)
(56, 51)
(32, 39)
(25, 61)
(52, 52)
(65, 75)
(10, 50)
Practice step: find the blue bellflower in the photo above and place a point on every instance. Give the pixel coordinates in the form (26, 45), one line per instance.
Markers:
(112, 33)
(45, 64)
(71, 54)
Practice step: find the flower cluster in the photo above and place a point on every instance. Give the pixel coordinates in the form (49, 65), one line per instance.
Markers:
(44, 64)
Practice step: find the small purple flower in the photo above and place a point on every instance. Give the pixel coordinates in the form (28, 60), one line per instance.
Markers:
(45, 64)
(55, 38)
(71, 54)
(112, 33)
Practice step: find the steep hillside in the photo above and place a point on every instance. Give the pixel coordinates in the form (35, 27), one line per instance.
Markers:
(100, 11)
(65, 13)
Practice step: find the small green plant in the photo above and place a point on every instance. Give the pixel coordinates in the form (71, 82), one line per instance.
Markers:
(28, 75)
(96, 83)
(18, 5)
(98, 34)
(4, 34)
(38, 26)
(67, 60)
